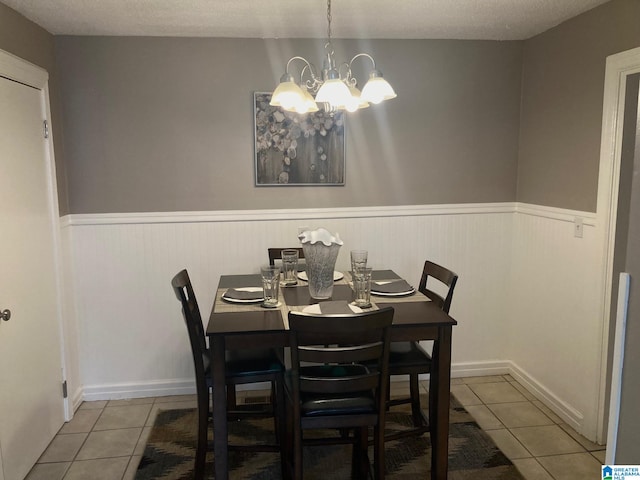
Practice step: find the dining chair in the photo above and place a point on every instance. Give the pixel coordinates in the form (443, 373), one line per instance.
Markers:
(329, 387)
(410, 358)
(244, 367)
(276, 253)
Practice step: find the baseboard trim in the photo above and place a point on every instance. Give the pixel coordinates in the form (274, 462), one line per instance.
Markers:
(479, 369)
(76, 399)
(118, 391)
(573, 417)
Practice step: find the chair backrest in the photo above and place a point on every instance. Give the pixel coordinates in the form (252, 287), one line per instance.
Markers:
(335, 342)
(276, 254)
(184, 292)
(443, 275)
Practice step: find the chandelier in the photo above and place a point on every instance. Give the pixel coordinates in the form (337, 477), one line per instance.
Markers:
(335, 87)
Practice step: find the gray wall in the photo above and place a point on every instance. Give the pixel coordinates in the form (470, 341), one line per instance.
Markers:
(562, 91)
(155, 136)
(28, 41)
(166, 124)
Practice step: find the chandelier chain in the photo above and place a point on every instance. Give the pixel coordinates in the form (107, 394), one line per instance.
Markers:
(329, 20)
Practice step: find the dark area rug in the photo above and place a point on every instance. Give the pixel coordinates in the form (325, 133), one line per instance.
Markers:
(472, 454)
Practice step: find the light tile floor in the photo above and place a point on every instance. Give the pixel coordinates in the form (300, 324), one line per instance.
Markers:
(106, 439)
(535, 439)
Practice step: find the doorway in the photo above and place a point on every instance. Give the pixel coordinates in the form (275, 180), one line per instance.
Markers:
(31, 357)
(627, 433)
(614, 193)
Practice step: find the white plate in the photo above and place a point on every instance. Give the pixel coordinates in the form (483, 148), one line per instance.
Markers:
(271, 307)
(315, 308)
(395, 294)
(336, 276)
(239, 300)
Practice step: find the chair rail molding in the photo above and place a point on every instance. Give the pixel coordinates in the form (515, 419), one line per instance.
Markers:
(284, 214)
(325, 213)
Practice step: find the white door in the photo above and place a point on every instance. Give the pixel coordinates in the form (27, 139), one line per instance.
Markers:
(31, 402)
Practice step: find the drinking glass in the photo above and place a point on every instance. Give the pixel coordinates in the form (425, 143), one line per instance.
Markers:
(289, 268)
(270, 285)
(358, 260)
(362, 287)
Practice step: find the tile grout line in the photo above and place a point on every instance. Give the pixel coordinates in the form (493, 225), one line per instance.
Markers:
(84, 442)
(92, 430)
(536, 458)
(518, 441)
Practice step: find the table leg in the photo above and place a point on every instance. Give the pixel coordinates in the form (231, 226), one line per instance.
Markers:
(220, 434)
(441, 380)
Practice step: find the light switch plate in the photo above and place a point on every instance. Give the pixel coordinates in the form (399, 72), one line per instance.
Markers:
(578, 227)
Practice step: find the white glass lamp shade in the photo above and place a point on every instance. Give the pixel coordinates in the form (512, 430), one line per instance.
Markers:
(309, 103)
(289, 96)
(356, 101)
(334, 92)
(377, 89)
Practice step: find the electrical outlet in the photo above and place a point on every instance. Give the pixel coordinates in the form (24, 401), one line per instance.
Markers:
(578, 227)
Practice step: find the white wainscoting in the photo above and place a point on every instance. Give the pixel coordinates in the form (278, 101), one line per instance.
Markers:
(555, 328)
(516, 301)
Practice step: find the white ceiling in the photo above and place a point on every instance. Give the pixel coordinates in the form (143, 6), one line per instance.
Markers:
(437, 19)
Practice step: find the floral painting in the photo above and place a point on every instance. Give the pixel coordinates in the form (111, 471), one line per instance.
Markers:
(297, 149)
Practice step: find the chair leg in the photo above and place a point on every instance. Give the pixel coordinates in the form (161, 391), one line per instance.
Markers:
(285, 449)
(378, 453)
(279, 413)
(388, 397)
(297, 446)
(355, 458)
(231, 397)
(289, 443)
(201, 449)
(276, 398)
(361, 445)
(414, 389)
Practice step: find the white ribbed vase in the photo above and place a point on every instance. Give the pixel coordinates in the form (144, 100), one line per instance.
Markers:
(321, 249)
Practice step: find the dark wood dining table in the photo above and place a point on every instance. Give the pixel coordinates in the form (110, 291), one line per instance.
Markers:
(248, 325)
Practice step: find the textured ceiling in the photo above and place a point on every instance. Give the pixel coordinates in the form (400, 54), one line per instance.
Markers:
(459, 19)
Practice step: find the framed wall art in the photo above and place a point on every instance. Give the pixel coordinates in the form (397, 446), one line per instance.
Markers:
(297, 149)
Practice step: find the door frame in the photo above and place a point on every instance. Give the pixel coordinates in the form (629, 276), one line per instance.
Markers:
(19, 70)
(618, 68)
